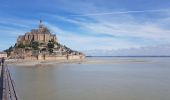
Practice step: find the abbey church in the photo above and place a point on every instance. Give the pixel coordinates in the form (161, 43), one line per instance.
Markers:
(41, 35)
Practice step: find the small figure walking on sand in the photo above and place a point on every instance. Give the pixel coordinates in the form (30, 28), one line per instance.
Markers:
(2, 60)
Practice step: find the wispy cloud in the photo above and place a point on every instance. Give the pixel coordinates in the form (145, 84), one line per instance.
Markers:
(124, 12)
(155, 50)
(129, 28)
(89, 42)
(92, 24)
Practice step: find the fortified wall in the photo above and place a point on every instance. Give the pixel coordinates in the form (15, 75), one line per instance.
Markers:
(56, 58)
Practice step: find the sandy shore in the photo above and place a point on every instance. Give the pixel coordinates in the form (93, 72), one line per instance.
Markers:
(40, 62)
(85, 61)
(112, 61)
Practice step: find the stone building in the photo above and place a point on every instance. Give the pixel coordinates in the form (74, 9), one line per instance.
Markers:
(41, 35)
(3, 54)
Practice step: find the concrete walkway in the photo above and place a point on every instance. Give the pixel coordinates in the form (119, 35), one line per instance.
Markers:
(1, 83)
(7, 88)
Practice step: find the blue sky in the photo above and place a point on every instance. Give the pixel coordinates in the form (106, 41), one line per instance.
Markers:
(90, 24)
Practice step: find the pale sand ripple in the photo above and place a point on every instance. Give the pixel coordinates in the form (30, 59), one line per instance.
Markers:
(43, 63)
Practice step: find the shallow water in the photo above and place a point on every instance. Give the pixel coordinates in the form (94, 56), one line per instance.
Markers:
(145, 80)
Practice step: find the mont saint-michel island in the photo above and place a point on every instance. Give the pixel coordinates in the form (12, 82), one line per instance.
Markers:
(40, 44)
(85, 50)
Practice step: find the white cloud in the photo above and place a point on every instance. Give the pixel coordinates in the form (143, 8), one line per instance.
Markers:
(157, 50)
(130, 27)
(151, 32)
(87, 42)
(17, 22)
(120, 25)
(124, 12)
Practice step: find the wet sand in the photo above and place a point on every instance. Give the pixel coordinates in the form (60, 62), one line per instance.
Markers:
(27, 63)
(96, 79)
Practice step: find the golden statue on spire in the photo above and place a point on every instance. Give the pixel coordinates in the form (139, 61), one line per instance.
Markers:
(40, 24)
(40, 21)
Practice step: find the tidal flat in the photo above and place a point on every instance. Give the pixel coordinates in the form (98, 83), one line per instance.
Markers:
(105, 78)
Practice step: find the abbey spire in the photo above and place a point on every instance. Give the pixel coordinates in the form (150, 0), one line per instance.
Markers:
(41, 35)
(40, 24)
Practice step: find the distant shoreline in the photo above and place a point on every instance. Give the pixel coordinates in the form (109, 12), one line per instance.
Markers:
(130, 56)
(20, 62)
(84, 61)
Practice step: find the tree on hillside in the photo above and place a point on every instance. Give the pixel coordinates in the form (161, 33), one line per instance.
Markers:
(35, 45)
(9, 50)
(20, 45)
(50, 46)
(50, 50)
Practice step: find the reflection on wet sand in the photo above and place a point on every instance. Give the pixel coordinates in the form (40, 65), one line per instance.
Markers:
(96, 79)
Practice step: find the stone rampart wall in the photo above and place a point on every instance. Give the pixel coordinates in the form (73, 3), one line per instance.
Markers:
(53, 57)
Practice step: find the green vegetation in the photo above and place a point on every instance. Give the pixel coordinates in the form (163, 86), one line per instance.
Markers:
(8, 51)
(35, 45)
(50, 45)
(50, 50)
(20, 46)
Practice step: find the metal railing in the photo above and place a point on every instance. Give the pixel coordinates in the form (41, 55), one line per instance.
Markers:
(9, 91)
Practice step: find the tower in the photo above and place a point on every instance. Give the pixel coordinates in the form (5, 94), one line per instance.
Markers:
(40, 24)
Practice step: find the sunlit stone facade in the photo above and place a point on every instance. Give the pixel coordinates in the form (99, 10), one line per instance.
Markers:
(41, 35)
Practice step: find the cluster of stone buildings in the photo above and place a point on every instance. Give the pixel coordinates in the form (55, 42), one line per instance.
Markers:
(3, 54)
(43, 36)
